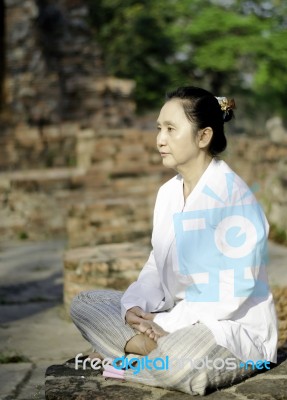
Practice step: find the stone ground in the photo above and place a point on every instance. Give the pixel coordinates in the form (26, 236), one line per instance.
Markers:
(35, 335)
(33, 327)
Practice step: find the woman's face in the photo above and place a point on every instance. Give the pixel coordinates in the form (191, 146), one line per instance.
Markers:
(176, 139)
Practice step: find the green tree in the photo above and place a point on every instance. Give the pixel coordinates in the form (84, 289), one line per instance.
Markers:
(216, 44)
(227, 46)
(135, 44)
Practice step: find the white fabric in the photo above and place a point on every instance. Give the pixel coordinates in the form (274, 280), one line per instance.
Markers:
(247, 325)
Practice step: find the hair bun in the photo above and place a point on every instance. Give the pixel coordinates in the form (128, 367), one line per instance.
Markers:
(227, 106)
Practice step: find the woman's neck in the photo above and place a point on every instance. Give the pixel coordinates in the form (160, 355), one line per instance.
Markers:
(192, 175)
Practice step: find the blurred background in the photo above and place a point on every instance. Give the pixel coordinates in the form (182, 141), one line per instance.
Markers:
(81, 85)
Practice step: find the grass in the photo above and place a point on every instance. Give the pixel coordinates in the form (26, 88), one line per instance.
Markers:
(23, 235)
(7, 358)
(278, 235)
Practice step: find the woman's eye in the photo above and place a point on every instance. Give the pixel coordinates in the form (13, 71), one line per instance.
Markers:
(170, 129)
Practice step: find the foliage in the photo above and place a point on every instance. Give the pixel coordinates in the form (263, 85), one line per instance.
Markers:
(135, 43)
(23, 235)
(228, 46)
(278, 234)
(12, 357)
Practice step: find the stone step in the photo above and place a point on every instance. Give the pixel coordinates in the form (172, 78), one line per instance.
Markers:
(113, 266)
(42, 202)
(64, 382)
(42, 179)
(109, 220)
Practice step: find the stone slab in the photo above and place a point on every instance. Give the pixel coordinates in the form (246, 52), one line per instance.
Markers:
(35, 386)
(280, 369)
(267, 389)
(270, 385)
(63, 382)
(47, 336)
(11, 377)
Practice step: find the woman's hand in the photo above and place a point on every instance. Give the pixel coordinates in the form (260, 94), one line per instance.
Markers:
(136, 315)
(143, 322)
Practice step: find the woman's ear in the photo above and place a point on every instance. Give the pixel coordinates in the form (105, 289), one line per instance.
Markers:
(204, 137)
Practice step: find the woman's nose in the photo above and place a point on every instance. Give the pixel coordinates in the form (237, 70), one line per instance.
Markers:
(161, 139)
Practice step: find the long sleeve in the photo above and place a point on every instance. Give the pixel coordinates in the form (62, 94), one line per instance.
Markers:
(146, 292)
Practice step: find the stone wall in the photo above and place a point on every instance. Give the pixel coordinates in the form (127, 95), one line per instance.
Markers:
(107, 265)
(103, 183)
(106, 197)
(54, 84)
(263, 165)
(125, 173)
(34, 204)
(54, 74)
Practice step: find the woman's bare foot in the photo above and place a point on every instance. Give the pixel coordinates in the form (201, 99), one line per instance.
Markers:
(154, 332)
(146, 341)
(150, 329)
(140, 344)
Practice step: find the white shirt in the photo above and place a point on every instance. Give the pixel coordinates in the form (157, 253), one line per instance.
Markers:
(187, 279)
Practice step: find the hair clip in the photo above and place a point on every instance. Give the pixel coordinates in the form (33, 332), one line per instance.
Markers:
(225, 103)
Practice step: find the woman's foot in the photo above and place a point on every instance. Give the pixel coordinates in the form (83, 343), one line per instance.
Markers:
(155, 331)
(150, 329)
(140, 344)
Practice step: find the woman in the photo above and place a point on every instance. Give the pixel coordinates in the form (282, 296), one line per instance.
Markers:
(203, 294)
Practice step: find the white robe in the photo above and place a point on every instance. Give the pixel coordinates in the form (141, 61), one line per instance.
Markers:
(183, 290)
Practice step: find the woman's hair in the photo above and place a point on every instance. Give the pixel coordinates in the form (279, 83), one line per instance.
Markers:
(205, 110)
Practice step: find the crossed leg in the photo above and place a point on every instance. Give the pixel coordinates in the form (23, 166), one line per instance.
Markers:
(97, 316)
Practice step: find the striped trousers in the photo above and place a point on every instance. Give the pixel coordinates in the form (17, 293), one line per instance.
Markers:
(97, 316)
